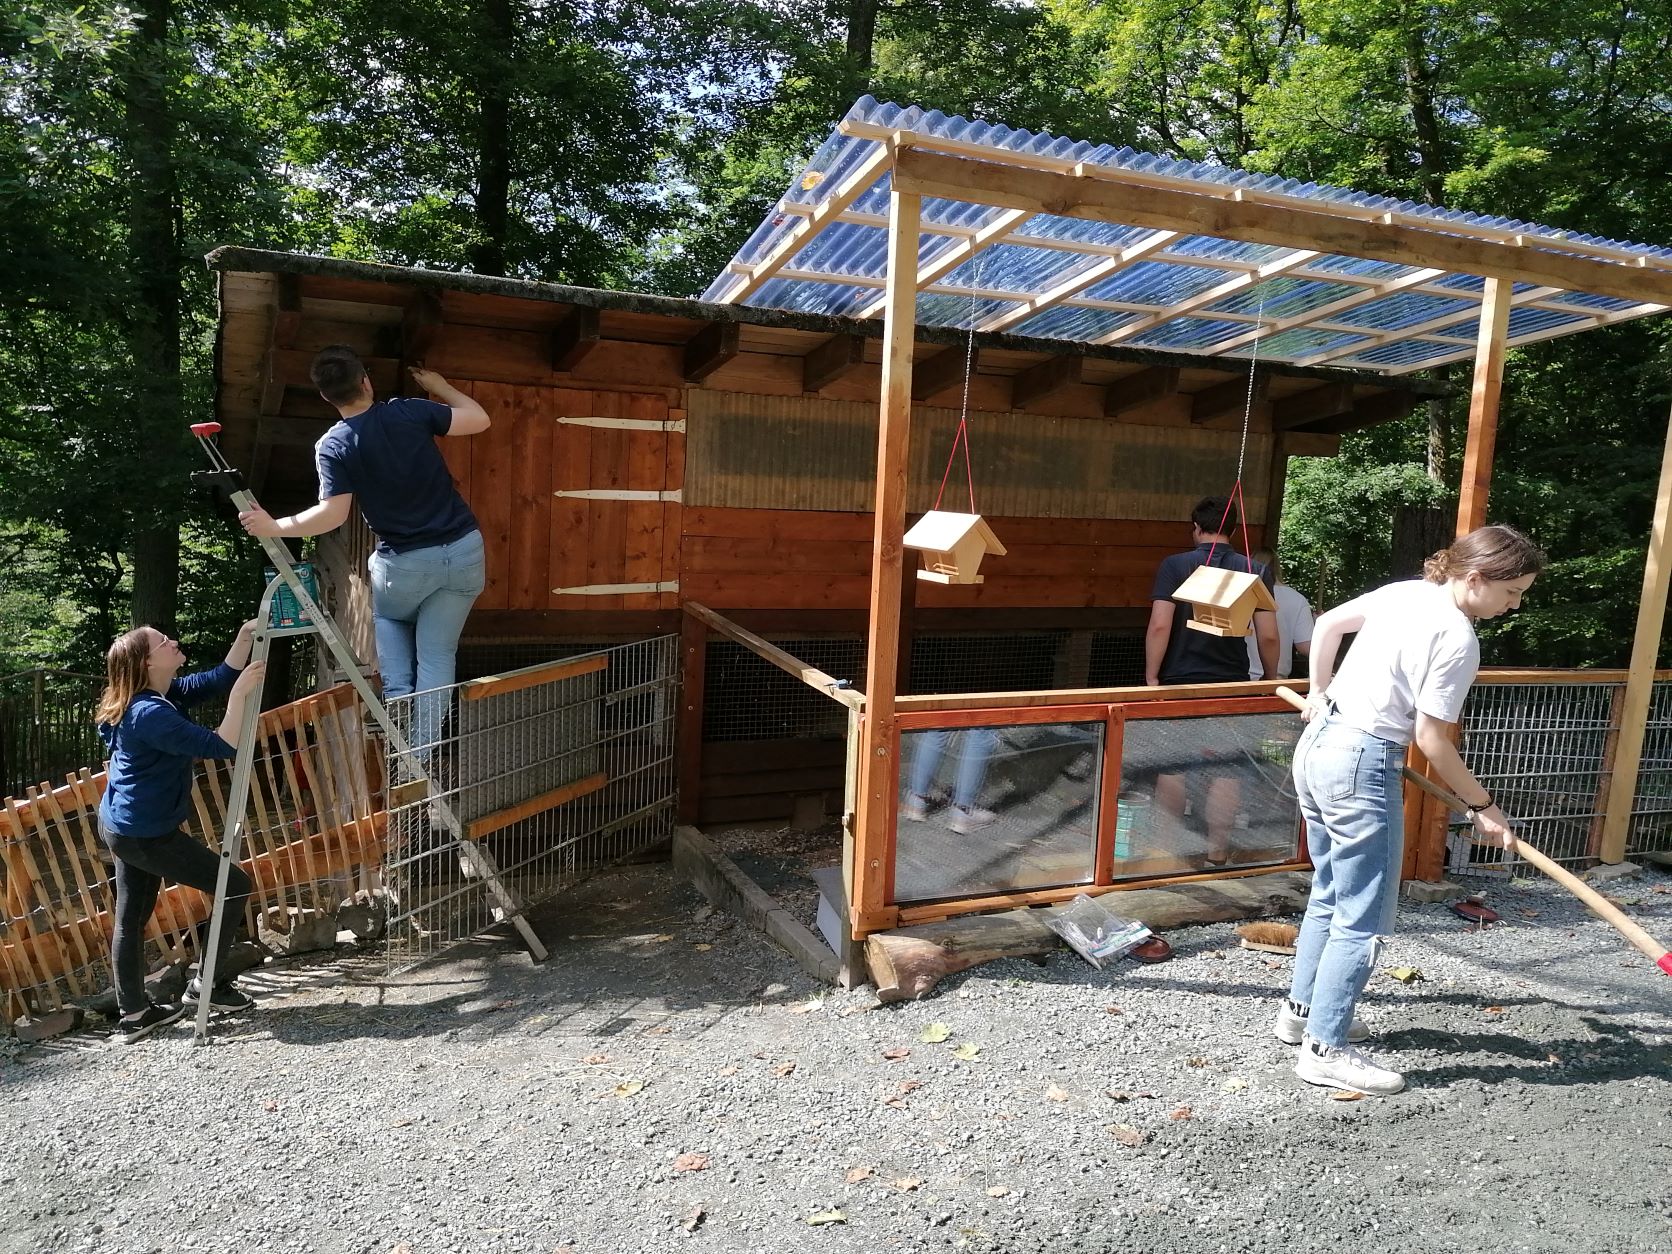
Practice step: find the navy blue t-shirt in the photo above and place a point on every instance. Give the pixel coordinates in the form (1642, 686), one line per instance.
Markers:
(148, 791)
(387, 458)
(1196, 657)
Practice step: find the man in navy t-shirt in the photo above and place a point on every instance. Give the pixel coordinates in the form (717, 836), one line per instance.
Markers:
(1174, 654)
(428, 567)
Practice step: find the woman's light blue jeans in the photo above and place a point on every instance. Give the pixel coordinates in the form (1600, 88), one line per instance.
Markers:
(1351, 793)
(975, 747)
(420, 601)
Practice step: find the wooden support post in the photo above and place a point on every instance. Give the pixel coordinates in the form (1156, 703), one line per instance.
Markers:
(1483, 406)
(693, 657)
(1640, 681)
(831, 360)
(1426, 835)
(1140, 389)
(1276, 480)
(873, 842)
(575, 337)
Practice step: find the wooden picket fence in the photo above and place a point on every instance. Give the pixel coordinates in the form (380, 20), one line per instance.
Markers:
(314, 837)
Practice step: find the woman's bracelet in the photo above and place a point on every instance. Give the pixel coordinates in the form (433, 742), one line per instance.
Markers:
(1485, 805)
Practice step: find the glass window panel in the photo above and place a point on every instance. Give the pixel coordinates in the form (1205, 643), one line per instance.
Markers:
(997, 809)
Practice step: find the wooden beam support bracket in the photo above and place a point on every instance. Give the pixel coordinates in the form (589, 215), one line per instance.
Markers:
(1140, 389)
(831, 360)
(1229, 397)
(936, 374)
(709, 349)
(574, 337)
(1311, 406)
(1030, 386)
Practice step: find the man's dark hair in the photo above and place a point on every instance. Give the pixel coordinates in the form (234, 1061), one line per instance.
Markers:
(337, 372)
(1214, 515)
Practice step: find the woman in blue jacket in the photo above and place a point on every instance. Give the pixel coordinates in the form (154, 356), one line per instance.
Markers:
(153, 747)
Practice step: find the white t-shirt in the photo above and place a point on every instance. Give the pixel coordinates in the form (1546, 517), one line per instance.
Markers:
(1416, 653)
(1294, 626)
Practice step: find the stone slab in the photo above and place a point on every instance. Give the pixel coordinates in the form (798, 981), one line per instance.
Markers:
(1432, 890)
(1608, 872)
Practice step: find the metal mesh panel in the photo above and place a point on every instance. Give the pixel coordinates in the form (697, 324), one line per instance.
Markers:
(1208, 791)
(1117, 659)
(557, 772)
(985, 662)
(1539, 749)
(746, 697)
(1651, 809)
(997, 809)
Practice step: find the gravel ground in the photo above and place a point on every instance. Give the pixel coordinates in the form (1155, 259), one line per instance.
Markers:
(487, 1104)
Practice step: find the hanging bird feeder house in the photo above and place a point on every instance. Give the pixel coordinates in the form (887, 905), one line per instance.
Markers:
(1224, 601)
(952, 546)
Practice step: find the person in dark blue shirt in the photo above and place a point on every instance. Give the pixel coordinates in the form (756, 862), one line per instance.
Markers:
(429, 565)
(153, 746)
(1174, 654)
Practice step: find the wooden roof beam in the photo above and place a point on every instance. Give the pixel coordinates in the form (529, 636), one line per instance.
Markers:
(1218, 292)
(1077, 283)
(830, 360)
(1104, 199)
(1372, 411)
(575, 337)
(1048, 377)
(709, 349)
(1140, 389)
(1311, 406)
(1230, 397)
(932, 375)
(957, 255)
(798, 236)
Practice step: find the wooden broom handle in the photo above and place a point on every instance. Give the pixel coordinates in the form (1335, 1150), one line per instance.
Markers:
(1599, 905)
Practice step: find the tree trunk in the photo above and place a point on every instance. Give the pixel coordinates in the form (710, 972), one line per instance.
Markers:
(493, 138)
(155, 261)
(860, 52)
(1419, 92)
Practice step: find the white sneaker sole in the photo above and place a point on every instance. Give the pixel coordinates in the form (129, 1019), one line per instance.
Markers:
(1317, 1075)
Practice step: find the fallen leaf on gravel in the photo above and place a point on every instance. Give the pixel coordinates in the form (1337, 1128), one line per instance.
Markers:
(858, 1174)
(1128, 1136)
(997, 1190)
(907, 1184)
(510, 1003)
(1234, 1085)
(967, 1052)
(801, 1008)
(593, 1060)
(827, 1217)
(935, 1033)
(691, 1161)
(703, 914)
(1347, 1095)
(1111, 1010)
(628, 1087)
(702, 947)
(1117, 1095)
(1215, 953)
(732, 1070)
(907, 1086)
(1197, 1061)
(693, 1219)
(1405, 975)
(1144, 1093)
(897, 1053)
(1494, 1010)
(1660, 888)
(1057, 1093)
(407, 1123)
(661, 1029)
(895, 1103)
(270, 1107)
(1273, 966)
(404, 1247)
(1180, 1115)
(784, 1068)
(658, 939)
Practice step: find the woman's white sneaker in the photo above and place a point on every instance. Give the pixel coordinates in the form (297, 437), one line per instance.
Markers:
(1290, 1026)
(1343, 1067)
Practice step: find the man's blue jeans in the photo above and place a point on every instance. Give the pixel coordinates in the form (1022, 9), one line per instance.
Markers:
(420, 601)
(1351, 793)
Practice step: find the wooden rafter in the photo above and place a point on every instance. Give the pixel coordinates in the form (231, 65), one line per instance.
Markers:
(983, 238)
(1311, 406)
(1140, 389)
(1230, 397)
(1101, 197)
(935, 374)
(1218, 292)
(831, 360)
(1048, 377)
(709, 349)
(575, 337)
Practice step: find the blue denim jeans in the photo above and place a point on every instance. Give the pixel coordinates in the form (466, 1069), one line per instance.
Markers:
(975, 747)
(420, 601)
(1350, 791)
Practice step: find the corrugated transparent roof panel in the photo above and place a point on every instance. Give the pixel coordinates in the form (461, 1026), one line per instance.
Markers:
(1045, 251)
(1403, 309)
(1082, 325)
(1184, 334)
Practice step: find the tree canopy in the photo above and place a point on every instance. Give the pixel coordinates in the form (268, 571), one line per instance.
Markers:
(636, 143)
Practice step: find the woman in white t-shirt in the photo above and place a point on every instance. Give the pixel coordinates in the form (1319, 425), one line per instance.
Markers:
(1404, 679)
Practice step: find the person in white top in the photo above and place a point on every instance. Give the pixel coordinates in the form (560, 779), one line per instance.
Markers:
(1404, 679)
(1294, 623)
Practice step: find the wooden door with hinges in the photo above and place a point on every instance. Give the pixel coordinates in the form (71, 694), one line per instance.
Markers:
(578, 493)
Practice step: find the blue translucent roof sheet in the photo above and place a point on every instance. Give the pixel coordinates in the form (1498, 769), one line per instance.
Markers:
(823, 248)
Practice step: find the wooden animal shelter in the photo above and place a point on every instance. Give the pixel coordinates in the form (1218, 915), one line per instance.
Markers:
(1111, 337)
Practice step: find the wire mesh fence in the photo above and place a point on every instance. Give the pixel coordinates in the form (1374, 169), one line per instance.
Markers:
(538, 776)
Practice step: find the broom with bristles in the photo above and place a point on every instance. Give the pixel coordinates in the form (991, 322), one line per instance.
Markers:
(1594, 901)
(1271, 938)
